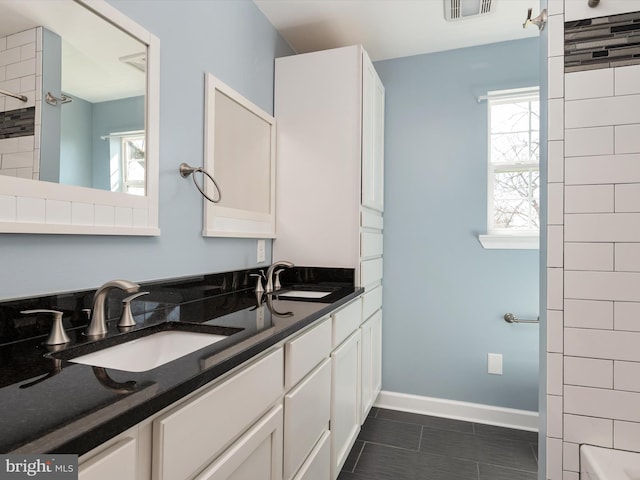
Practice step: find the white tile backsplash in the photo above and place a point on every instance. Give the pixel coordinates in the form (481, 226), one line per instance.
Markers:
(556, 77)
(604, 169)
(603, 344)
(588, 372)
(555, 210)
(627, 257)
(580, 142)
(555, 161)
(588, 199)
(554, 416)
(599, 112)
(626, 376)
(554, 459)
(555, 284)
(626, 435)
(588, 256)
(602, 227)
(589, 285)
(626, 80)
(555, 122)
(594, 431)
(7, 208)
(571, 457)
(554, 373)
(555, 251)
(627, 316)
(58, 212)
(602, 403)
(30, 210)
(627, 138)
(589, 84)
(588, 314)
(627, 197)
(555, 331)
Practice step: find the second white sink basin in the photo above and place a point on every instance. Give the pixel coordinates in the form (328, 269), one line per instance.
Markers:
(149, 352)
(304, 294)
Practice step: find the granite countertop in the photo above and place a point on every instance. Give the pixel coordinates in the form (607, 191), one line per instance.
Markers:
(53, 405)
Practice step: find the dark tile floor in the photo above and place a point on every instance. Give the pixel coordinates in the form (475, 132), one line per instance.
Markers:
(406, 446)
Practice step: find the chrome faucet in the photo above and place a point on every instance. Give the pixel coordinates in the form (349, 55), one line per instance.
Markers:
(274, 265)
(98, 323)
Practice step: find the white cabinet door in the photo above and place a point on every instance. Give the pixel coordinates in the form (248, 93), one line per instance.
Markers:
(345, 400)
(307, 412)
(257, 455)
(376, 355)
(371, 367)
(372, 137)
(119, 461)
(318, 465)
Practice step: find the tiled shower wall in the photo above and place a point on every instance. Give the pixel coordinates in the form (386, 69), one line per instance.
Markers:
(593, 331)
(21, 72)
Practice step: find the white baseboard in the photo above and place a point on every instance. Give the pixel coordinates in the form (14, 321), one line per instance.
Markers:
(470, 412)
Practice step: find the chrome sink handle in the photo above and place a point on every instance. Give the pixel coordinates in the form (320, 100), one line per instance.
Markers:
(98, 324)
(126, 318)
(270, 271)
(57, 335)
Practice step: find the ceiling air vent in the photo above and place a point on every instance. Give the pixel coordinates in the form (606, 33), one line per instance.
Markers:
(461, 9)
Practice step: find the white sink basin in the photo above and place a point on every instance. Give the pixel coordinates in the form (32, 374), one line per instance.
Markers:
(149, 352)
(304, 294)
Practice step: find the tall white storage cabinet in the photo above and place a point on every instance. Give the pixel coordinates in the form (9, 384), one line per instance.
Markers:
(329, 196)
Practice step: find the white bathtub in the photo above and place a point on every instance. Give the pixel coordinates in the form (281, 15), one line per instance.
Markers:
(597, 463)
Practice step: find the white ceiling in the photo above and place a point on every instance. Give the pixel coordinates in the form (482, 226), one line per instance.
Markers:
(393, 28)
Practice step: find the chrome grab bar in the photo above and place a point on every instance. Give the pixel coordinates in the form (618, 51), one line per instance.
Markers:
(511, 318)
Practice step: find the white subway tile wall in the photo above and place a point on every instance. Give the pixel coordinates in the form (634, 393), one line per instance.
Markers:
(593, 274)
(21, 73)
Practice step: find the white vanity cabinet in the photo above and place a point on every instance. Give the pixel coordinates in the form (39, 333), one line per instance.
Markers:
(307, 401)
(371, 362)
(194, 434)
(329, 196)
(124, 457)
(345, 383)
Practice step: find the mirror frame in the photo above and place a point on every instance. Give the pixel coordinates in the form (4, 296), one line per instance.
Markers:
(30, 206)
(222, 221)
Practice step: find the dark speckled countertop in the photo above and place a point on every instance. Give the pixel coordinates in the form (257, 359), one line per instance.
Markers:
(51, 404)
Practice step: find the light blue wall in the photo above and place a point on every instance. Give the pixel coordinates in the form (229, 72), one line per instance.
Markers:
(76, 143)
(51, 82)
(235, 42)
(444, 295)
(124, 115)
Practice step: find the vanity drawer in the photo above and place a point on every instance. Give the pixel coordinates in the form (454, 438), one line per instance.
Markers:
(346, 321)
(371, 302)
(370, 244)
(191, 435)
(306, 417)
(305, 352)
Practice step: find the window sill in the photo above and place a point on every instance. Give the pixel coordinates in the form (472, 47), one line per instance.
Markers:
(510, 242)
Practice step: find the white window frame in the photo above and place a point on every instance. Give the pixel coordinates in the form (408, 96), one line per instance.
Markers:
(501, 238)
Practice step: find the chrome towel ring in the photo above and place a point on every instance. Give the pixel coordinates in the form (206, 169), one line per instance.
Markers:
(186, 170)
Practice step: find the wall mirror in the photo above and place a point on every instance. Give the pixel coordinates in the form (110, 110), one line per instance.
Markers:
(79, 154)
(240, 153)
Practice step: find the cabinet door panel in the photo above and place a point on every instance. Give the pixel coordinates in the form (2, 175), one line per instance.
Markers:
(372, 137)
(307, 412)
(370, 244)
(116, 462)
(371, 301)
(371, 272)
(345, 401)
(318, 465)
(257, 455)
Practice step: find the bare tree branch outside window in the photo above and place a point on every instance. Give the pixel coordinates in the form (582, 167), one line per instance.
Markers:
(514, 164)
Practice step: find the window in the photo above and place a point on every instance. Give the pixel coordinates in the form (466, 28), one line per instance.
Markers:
(128, 171)
(513, 204)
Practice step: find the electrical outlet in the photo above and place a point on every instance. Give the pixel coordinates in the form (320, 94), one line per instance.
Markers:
(261, 254)
(494, 363)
